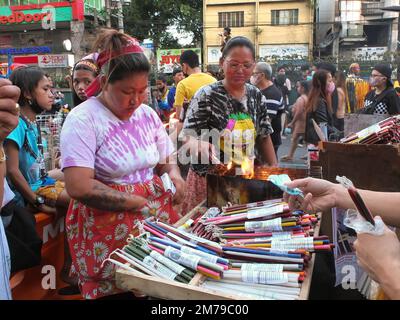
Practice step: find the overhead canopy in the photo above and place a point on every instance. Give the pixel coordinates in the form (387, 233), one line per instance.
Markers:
(392, 8)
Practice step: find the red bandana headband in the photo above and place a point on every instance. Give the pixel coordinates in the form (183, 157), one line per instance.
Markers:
(105, 57)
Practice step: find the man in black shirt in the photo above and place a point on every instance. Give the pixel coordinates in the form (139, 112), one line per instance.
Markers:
(262, 78)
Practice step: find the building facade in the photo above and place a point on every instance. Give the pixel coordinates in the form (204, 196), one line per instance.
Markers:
(356, 29)
(279, 29)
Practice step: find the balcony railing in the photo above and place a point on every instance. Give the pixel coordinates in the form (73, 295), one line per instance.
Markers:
(372, 8)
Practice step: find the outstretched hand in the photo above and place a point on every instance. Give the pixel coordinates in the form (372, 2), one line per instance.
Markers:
(319, 195)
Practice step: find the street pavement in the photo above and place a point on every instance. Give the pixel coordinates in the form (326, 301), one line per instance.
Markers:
(297, 162)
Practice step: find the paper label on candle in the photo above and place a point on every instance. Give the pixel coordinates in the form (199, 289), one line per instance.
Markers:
(293, 244)
(282, 235)
(264, 277)
(170, 264)
(153, 264)
(264, 212)
(278, 251)
(262, 267)
(178, 239)
(204, 255)
(367, 131)
(195, 239)
(189, 261)
(268, 225)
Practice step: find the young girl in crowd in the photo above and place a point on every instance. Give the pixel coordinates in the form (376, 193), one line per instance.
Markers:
(83, 74)
(114, 150)
(32, 185)
(319, 105)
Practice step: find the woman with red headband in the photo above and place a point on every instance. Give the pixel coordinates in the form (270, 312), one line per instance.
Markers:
(114, 150)
(84, 73)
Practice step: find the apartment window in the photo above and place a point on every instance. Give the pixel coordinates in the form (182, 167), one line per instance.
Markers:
(231, 19)
(285, 17)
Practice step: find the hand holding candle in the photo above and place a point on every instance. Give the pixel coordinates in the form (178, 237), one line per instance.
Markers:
(380, 257)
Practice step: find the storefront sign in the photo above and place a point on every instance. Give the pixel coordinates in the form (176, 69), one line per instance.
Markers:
(26, 59)
(167, 59)
(41, 13)
(368, 53)
(53, 61)
(18, 51)
(19, 17)
(214, 54)
(282, 52)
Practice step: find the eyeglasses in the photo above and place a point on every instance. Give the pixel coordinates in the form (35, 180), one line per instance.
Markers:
(377, 76)
(254, 73)
(235, 65)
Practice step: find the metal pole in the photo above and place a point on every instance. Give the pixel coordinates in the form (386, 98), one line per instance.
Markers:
(108, 13)
(120, 16)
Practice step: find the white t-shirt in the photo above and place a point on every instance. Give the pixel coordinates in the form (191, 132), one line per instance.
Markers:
(120, 152)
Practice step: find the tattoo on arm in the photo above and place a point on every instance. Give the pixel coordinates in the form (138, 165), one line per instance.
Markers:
(105, 198)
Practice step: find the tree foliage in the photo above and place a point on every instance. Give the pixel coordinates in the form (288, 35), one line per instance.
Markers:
(151, 18)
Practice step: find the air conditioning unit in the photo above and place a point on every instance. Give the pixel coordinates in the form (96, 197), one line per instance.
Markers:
(355, 31)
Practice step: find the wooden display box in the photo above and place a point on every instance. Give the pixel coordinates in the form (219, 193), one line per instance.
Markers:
(172, 290)
(372, 167)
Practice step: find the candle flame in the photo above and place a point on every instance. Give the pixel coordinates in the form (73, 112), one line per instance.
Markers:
(247, 167)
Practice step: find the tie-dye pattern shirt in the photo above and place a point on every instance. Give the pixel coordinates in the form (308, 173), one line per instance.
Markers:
(120, 152)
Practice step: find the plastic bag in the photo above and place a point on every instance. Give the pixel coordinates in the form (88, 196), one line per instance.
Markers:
(280, 180)
(356, 222)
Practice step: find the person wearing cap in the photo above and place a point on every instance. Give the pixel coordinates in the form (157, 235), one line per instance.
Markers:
(383, 98)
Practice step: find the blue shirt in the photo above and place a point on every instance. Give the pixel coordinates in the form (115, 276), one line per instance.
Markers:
(171, 97)
(28, 164)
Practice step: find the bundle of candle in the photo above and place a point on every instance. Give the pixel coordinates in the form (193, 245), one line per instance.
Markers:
(261, 281)
(201, 229)
(384, 132)
(263, 260)
(257, 219)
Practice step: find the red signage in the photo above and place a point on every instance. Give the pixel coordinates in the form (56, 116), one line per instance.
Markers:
(19, 17)
(78, 8)
(170, 59)
(26, 59)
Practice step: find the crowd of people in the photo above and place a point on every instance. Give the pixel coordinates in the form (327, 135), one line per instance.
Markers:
(115, 148)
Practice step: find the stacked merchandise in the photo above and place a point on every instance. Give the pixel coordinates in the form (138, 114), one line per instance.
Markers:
(259, 250)
(356, 90)
(384, 132)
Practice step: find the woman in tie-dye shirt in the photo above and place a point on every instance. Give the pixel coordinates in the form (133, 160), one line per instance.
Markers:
(114, 148)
